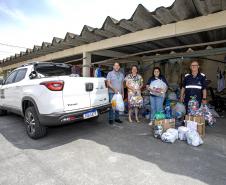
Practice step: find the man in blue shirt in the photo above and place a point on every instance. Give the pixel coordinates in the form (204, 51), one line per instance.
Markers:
(194, 84)
(98, 72)
(115, 80)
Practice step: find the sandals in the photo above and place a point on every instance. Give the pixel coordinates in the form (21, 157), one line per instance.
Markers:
(130, 120)
(138, 121)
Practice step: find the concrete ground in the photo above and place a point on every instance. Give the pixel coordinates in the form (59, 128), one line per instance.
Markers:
(91, 153)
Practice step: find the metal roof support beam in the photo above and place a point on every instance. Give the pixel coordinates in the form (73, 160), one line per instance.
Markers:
(109, 53)
(155, 51)
(200, 53)
(194, 54)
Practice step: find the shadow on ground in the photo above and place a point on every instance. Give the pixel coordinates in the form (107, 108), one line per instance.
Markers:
(206, 163)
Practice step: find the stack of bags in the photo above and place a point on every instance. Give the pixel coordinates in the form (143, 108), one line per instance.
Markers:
(190, 135)
(183, 133)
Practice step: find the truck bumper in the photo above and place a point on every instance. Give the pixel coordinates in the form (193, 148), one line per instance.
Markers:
(64, 118)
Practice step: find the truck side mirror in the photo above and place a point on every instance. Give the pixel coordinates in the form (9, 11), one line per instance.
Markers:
(33, 75)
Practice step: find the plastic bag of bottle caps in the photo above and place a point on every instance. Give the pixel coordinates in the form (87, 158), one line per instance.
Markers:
(193, 106)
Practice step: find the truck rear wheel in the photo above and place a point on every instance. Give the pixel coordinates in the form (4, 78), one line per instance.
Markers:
(33, 127)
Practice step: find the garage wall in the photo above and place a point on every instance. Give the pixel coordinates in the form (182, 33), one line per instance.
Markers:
(210, 68)
(174, 69)
(147, 73)
(171, 70)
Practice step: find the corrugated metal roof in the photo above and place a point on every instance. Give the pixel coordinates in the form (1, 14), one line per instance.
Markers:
(141, 19)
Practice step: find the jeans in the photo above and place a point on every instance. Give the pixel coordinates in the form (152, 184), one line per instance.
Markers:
(112, 113)
(156, 105)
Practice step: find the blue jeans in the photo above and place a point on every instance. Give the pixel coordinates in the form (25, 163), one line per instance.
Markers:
(112, 113)
(156, 105)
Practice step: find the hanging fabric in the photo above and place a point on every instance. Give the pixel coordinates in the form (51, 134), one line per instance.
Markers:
(220, 80)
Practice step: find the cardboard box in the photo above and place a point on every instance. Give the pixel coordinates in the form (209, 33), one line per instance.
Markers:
(166, 123)
(201, 123)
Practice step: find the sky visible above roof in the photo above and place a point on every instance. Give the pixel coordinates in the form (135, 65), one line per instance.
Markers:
(26, 23)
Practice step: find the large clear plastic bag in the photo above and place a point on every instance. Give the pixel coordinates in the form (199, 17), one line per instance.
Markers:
(117, 102)
(191, 125)
(136, 101)
(206, 113)
(179, 110)
(146, 100)
(172, 96)
(193, 106)
(170, 136)
(158, 88)
(168, 110)
(157, 131)
(182, 133)
(136, 86)
(193, 138)
(208, 116)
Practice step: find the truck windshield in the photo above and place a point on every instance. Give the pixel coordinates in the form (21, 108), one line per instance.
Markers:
(51, 69)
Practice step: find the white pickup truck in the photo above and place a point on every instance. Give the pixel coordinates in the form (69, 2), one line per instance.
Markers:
(47, 94)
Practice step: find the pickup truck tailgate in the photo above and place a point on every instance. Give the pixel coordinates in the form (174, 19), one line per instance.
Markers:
(83, 93)
(75, 96)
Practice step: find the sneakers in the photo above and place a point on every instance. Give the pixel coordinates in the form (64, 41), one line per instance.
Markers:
(151, 123)
(118, 121)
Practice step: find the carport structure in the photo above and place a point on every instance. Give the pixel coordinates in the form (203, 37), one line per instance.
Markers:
(188, 28)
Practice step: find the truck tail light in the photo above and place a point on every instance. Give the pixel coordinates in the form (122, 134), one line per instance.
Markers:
(70, 118)
(54, 85)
